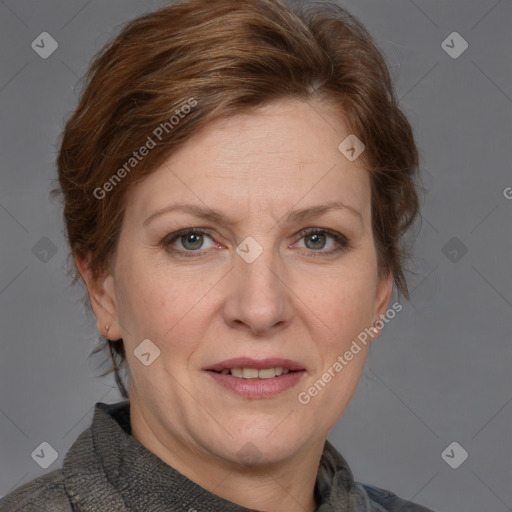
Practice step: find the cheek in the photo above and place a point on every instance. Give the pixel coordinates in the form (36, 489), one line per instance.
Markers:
(163, 304)
(342, 300)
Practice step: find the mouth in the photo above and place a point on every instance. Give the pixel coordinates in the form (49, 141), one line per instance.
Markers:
(257, 378)
(255, 373)
(249, 368)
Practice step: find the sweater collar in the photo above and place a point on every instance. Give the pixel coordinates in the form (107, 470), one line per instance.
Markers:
(107, 465)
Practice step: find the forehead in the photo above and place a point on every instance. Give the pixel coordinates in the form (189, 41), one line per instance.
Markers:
(282, 155)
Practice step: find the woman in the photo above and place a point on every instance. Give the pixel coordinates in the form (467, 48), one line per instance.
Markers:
(237, 179)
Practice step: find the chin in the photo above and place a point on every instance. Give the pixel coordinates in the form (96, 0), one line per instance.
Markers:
(260, 448)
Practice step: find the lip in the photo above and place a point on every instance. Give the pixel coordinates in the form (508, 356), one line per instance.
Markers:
(248, 362)
(257, 388)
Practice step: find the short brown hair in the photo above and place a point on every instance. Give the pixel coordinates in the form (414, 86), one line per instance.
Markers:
(228, 57)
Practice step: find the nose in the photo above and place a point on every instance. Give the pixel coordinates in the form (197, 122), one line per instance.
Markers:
(259, 299)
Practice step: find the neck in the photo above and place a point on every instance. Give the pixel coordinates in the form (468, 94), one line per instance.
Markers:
(272, 487)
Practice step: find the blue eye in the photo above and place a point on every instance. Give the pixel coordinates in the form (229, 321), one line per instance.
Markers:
(192, 242)
(318, 238)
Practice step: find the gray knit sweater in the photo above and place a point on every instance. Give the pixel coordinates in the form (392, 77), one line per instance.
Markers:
(108, 470)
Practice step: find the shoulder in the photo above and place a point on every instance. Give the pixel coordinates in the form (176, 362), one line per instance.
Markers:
(46, 493)
(386, 501)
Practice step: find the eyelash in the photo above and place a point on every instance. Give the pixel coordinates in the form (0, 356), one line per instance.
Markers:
(342, 241)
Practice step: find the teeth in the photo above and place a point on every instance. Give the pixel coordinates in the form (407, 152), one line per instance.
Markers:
(254, 373)
(266, 373)
(250, 373)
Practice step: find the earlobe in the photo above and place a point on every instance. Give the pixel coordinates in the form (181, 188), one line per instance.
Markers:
(384, 291)
(382, 298)
(102, 297)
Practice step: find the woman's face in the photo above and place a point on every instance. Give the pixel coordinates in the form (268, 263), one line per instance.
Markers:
(250, 284)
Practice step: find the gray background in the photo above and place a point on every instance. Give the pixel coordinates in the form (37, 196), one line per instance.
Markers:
(440, 372)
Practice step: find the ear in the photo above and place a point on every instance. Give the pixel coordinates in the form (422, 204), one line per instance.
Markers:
(103, 299)
(382, 298)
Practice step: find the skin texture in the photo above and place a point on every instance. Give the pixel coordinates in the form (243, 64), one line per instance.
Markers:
(294, 301)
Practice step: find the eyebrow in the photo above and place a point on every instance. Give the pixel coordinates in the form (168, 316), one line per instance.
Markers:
(218, 216)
